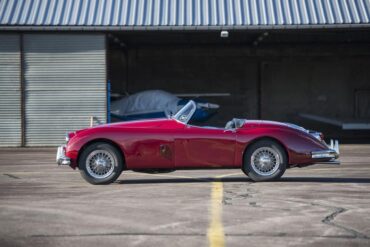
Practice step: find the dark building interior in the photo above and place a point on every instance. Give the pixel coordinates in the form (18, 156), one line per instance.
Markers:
(283, 75)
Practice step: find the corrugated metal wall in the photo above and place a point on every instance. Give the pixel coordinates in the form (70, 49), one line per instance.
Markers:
(65, 84)
(182, 13)
(10, 93)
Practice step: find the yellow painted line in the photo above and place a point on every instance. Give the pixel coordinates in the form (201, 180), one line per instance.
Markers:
(216, 235)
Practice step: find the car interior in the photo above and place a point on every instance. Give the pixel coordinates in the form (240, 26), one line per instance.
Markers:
(184, 115)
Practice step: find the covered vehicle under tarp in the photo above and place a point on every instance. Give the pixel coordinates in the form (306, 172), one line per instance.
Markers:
(157, 104)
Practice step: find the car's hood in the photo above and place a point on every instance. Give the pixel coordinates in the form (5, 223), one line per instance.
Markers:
(273, 124)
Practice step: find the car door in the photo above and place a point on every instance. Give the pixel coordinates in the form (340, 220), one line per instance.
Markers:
(152, 147)
(200, 147)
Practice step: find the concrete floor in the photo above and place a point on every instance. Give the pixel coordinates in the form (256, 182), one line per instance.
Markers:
(45, 205)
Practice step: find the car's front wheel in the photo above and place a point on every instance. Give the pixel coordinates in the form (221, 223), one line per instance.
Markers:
(265, 160)
(100, 163)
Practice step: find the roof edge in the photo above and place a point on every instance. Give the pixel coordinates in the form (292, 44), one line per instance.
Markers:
(177, 28)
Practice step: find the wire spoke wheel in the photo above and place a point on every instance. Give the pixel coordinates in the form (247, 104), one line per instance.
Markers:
(265, 161)
(100, 164)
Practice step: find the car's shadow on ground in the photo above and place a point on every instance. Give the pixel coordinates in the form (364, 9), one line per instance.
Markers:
(244, 179)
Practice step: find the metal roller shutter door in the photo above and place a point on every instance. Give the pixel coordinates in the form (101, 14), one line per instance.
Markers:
(65, 84)
(10, 93)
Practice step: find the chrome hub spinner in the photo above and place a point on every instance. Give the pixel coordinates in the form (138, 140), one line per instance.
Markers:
(100, 164)
(265, 161)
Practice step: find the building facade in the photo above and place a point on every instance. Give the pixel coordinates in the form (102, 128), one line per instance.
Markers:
(299, 61)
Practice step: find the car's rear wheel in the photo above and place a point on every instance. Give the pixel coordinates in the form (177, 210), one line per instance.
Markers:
(265, 160)
(100, 163)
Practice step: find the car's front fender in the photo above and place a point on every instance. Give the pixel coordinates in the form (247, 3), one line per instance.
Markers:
(297, 144)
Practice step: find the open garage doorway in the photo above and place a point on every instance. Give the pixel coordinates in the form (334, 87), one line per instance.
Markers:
(307, 77)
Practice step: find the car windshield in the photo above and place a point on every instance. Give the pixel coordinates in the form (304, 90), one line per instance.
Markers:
(185, 113)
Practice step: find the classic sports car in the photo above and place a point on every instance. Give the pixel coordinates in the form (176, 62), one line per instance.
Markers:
(262, 149)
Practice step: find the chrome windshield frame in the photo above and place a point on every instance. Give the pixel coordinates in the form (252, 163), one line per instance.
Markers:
(180, 117)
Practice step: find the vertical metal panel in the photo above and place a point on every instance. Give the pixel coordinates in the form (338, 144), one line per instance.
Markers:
(65, 84)
(10, 94)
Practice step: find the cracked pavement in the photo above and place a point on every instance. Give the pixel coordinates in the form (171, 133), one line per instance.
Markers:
(45, 205)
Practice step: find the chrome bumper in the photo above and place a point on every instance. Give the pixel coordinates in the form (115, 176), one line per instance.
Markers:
(62, 159)
(328, 156)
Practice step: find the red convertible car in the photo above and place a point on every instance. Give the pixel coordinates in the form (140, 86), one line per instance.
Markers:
(262, 149)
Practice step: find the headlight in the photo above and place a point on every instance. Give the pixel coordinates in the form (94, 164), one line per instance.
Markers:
(67, 137)
(318, 135)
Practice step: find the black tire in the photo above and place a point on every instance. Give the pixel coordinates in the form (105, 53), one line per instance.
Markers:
(268, 146)
(112, 154)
